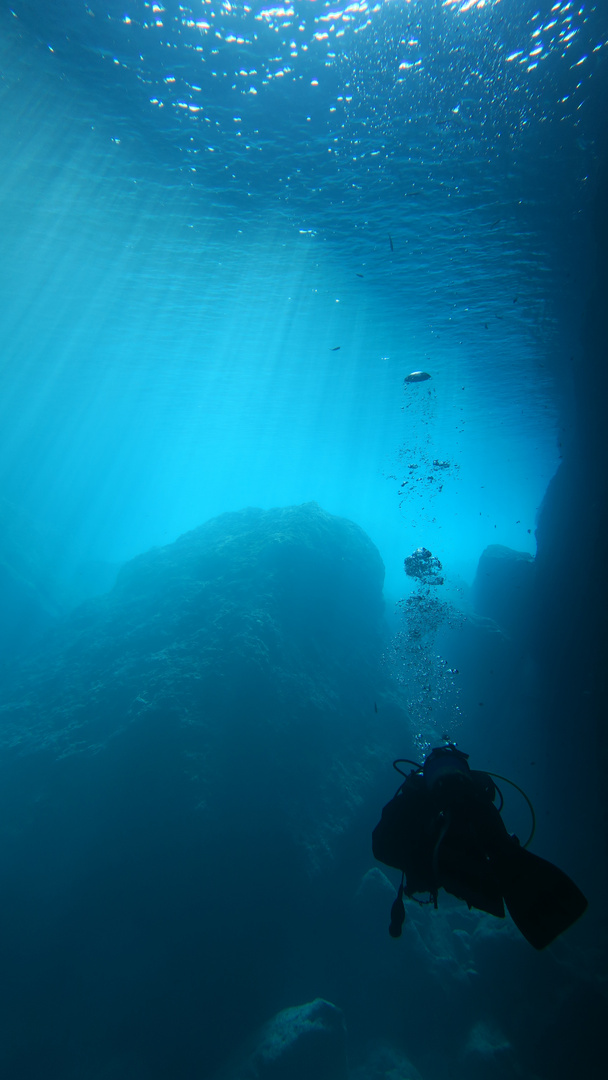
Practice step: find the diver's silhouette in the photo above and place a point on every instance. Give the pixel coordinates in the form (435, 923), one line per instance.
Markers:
(443, 830)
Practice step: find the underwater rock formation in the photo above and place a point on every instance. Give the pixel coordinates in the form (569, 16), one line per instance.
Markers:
(503, 588)
(240, 642)
(177, 761)
(572, 577)
(302, 1042)
(190, 771)
(385, 1062)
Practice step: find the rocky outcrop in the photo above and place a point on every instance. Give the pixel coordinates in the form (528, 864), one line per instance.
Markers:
(503, 589)
(250, 643)
(385, 1062)
(178, 761)
(301, 1042)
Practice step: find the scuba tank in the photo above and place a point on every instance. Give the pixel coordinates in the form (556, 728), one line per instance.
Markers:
(444, 761)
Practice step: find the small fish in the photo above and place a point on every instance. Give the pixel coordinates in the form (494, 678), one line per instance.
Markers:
(359, 275)
(375, 707)
(335, 348)
(417, 376)
(390, 240)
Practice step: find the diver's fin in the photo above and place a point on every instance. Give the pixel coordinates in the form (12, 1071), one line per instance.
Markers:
(540, 898)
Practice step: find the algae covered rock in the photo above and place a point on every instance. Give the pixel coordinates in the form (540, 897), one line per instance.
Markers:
(302, 1042)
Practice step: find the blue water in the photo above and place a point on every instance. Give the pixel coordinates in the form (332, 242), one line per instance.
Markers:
(176, 277)
(230, 231)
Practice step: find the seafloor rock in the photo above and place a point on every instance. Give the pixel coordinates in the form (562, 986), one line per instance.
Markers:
(503, 588)
(176, 763)
(385, 1062)
(302, 1042)
(487, 1053)
(247, 649)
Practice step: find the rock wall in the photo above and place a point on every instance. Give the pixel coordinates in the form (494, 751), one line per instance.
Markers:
(178, 761)
(555, 610)
(572, 579)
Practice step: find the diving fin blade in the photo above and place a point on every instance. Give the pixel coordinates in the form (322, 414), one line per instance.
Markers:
(540, 898)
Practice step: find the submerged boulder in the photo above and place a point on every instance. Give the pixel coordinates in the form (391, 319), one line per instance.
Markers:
(302, 1042)
(178, 761)
(503, 589)
(385, 1062)
(280, 603)
(244, 653)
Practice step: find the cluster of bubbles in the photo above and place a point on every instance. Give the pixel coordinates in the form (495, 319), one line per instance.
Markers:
(329, 32)
(429, 684)
(424, 566)
(207, 64)
(424, 479)
(419, 473)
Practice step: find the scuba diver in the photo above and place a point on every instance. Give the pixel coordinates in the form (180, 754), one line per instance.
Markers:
(443, 830)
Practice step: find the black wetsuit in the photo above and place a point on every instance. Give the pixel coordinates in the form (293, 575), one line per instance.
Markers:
(450, 835)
